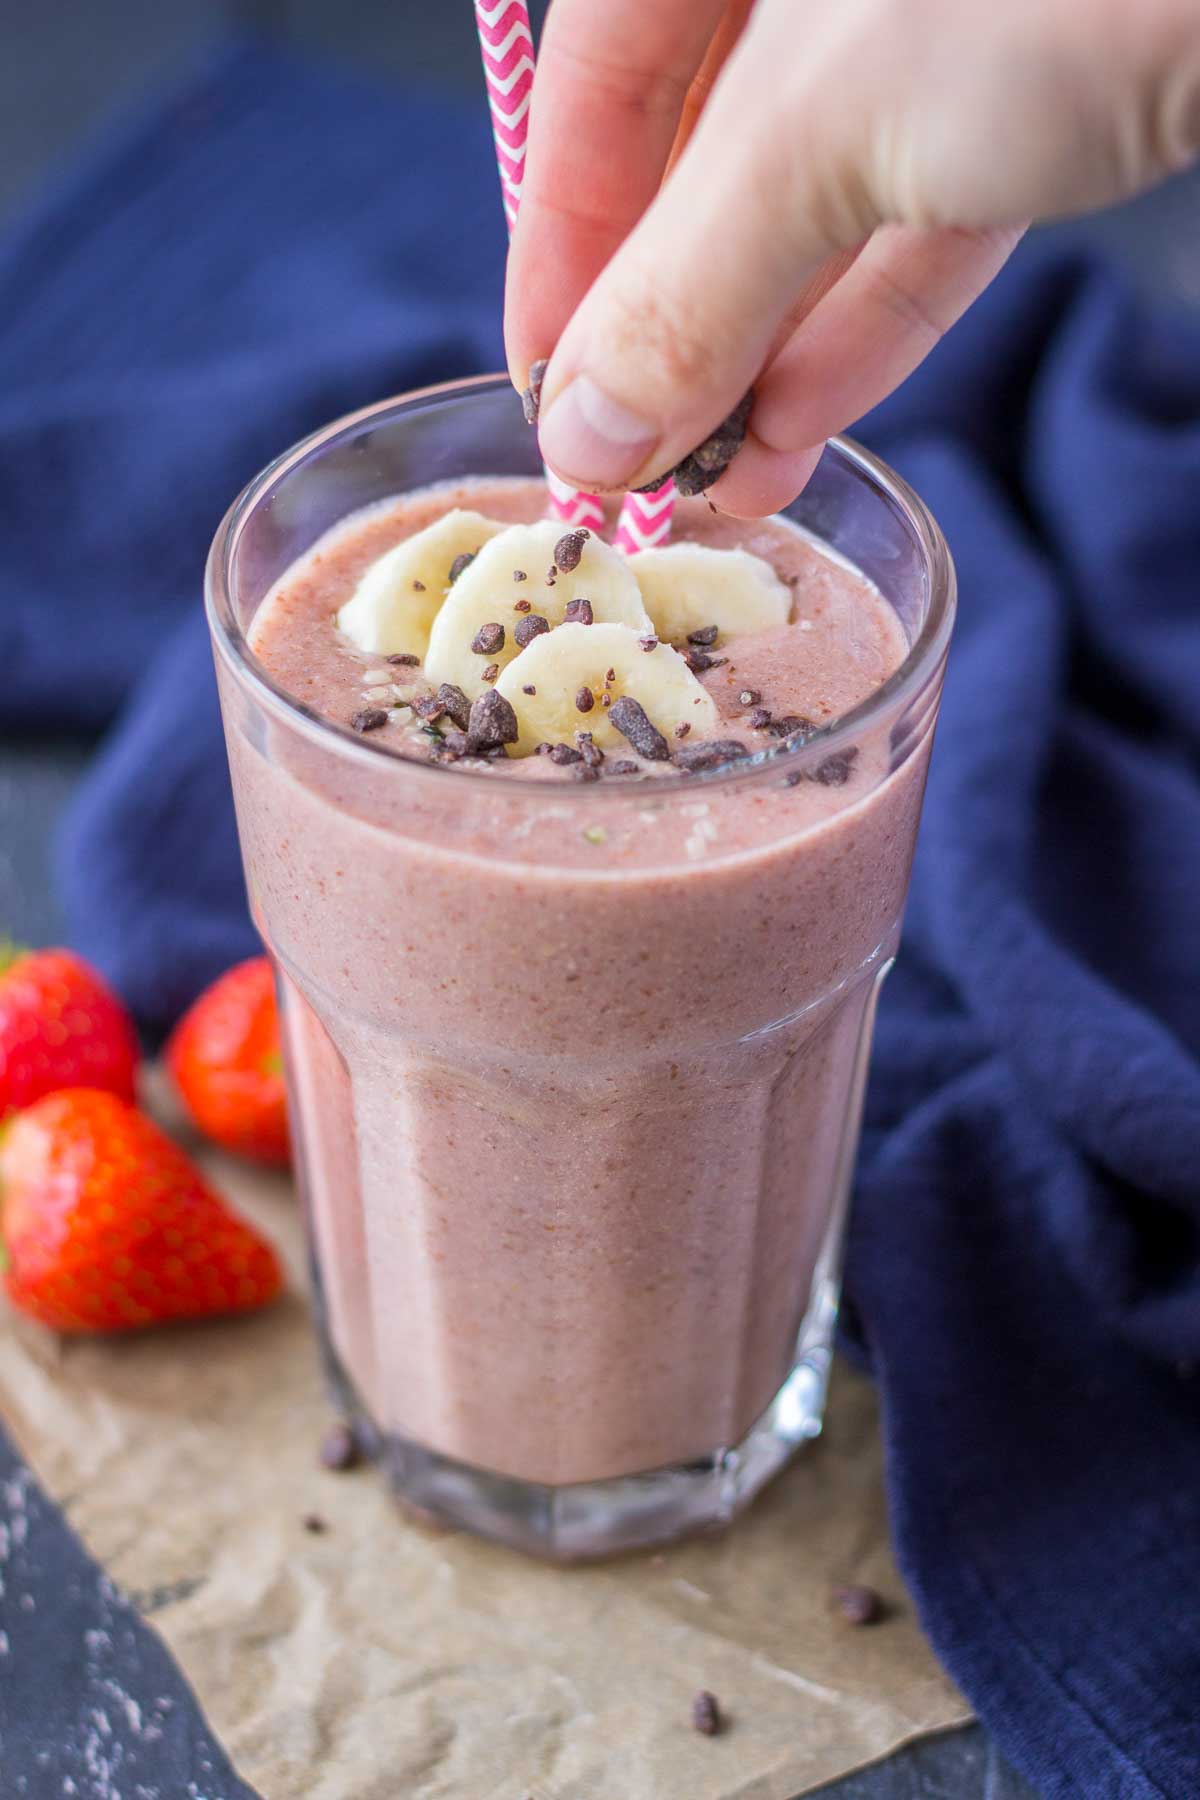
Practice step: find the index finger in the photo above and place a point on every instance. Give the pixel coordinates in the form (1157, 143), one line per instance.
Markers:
(607, 97)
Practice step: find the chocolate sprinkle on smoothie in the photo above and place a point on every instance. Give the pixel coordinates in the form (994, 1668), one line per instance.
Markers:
(624, 765)
(749, 697)
(492, 722)
(648, 643)
(699, 660)
(759, 719)
(579, 612)
(455, 703)
(488, 639)
(709, 754)
(585, 771)
(522, 606)
(529, 690)
(569, 549)
(418, 586)
(406, 660)
(706, 1714)
(491, 672)
(456, 744)
(531, 399)
(562, 753)
(702, 466)
(682, 729)
(315, 1523)
(589, 750)
(460, 563)
(584, 700)
(429, 707)
(527, 629)
(369, 719)
(631, 721)
(705, 636)
(789, 726)
(520, 575)
(835, 770)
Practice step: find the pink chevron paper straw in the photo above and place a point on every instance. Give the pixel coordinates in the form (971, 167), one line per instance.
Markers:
(645, 519)
(506, 45)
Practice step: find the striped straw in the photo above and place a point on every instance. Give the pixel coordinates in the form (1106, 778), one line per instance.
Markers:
(506, 44)
(645, 519)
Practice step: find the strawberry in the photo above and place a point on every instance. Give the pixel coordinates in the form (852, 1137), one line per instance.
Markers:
(225, 1059)
(60, 1026)
(109, 1226)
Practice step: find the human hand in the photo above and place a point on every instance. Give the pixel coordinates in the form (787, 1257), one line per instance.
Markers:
(856, 175)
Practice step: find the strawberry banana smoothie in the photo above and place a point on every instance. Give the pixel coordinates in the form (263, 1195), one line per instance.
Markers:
(578, 943)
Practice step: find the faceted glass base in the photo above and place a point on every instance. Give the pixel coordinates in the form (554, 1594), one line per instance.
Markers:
(599, 1518)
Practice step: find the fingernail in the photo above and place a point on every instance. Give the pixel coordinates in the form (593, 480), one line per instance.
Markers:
(589, 437)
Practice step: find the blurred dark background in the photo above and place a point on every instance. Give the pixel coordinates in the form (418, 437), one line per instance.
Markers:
(65, 69)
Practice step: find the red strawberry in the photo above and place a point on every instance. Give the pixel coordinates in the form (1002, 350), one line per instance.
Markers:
(225, 1059)
(60, 1026)
(109, 1226)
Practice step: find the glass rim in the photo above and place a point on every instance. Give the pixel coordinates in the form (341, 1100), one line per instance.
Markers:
(907, 681)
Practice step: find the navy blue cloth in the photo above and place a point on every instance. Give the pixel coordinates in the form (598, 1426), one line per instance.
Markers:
(1025, 1266)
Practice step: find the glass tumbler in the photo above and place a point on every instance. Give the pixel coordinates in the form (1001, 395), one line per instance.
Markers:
(575, 1069)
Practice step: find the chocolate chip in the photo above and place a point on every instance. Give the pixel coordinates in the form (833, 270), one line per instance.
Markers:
(369, 719)
(526, 630)
(569, 549)
(624, 765)
(418, 586)
(429, 707)
(699, 660)
(706, 1714)
(579, 612)
(531, 399)
(589, 750)
(835, 770)
(562, 753)
(789, 725)
(315, 1523)
(584, 700)
(706, 635)
(492, 721)
(551, 575)
(606, 699)
(406, 660)
(631, 721)
(760, 718)
(610, 675)
(460, 563)
(682, 729)
(710, 753)
(858, 1605)
(648, 643)
(520, 575)
(491, 672)
(529, 690)
(488, 639)
(522, 606)
(456, 744)
(749, 697)
(585, 771)
(455, 703)
(339, 1447)
(701, 466)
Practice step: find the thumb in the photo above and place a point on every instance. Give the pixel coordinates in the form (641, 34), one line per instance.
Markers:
(675, 329)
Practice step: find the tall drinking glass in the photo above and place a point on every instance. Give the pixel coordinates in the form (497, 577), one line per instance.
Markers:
(575, 1070)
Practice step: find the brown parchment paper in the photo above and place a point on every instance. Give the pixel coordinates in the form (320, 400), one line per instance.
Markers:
(380, 1660)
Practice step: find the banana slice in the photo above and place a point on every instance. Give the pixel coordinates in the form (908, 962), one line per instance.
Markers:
(688, 586)
(573, 662)
(394, 604)
(508, 582)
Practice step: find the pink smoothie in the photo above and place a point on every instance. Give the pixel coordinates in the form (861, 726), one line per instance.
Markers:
(577, 1067)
